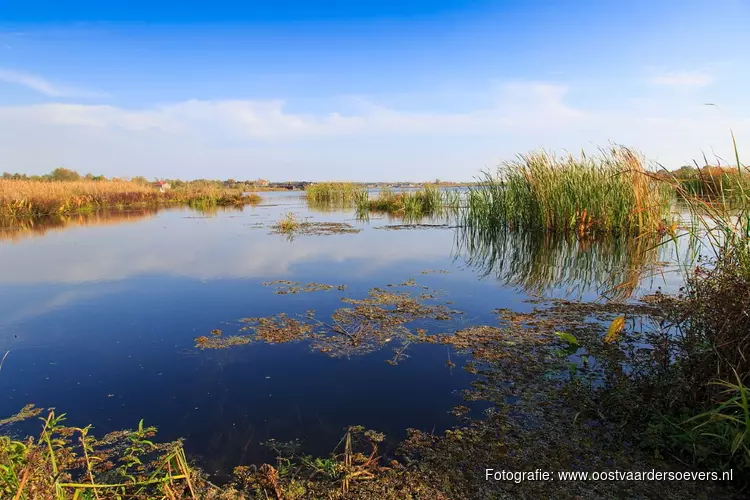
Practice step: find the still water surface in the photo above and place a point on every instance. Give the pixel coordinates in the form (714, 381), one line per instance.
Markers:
(100, 318)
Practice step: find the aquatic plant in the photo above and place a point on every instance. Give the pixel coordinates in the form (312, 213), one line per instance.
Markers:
(428, 201)
(291, 226)
(602, 193)
(288, 223)
(711, 183)
(364, 326)
(339, 193)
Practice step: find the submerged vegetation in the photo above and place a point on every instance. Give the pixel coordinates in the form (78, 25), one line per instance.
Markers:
(291, 226)
(609, 192)
(25, 199)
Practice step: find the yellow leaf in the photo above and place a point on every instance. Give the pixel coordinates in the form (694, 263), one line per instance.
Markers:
(614, 329)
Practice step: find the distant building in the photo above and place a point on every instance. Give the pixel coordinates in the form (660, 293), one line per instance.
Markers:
(162, 186)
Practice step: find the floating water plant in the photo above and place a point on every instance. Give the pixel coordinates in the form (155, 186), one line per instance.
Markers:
(291, 226)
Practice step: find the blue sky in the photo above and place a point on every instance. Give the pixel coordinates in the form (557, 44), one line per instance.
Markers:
(363, 90)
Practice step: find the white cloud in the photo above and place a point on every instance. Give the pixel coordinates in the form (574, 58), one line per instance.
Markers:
(517, 106)
(683, 79)
(251, 138)
(43, 86)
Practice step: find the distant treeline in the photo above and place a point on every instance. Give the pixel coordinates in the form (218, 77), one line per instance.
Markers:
(65, 174)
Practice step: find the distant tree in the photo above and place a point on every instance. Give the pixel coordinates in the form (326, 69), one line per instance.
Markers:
(685, 170)
(64, 174)
(7, 175)
(140, 180)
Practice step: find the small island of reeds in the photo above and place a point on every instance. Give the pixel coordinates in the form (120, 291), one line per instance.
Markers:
(609, 192)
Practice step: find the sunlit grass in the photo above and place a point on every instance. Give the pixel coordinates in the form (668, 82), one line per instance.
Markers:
(601, 193)
(334, 192)
(428, 201)
(29, 199)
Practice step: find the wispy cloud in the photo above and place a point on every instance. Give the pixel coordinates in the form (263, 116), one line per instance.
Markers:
(683, 79)
(43, 86)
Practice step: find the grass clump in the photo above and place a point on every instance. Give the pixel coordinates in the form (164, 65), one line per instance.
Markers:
(70, 463)
(414, 204)
(604, 193)
(287, 224)
(334, 192)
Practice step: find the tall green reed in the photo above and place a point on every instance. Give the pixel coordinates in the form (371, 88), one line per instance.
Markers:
(600, 193)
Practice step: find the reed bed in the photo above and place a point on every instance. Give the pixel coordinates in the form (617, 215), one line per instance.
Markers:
(335, 192)
(713, 184)
(35, 199)
(609, 192)
(428, 201)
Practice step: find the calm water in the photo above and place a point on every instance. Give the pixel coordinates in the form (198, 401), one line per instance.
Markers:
(100, 318)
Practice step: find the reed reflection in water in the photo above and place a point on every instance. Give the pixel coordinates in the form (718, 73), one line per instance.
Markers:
(542, 263)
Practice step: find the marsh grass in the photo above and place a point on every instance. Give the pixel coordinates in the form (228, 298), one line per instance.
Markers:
(712, 183)
(591, 194)
(22, 199)
(336, 193)
(288, 223)
(426, 202)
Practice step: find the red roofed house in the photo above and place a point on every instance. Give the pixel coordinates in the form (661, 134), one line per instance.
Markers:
(162, 186)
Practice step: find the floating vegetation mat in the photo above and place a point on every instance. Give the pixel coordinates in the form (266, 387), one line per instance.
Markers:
(286, 287)
(365, 325)
(397, 227)
(291, 226)
(320, 228)
(546, 377)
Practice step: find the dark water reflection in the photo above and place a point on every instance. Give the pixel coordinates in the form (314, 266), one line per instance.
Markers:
(548, 264)
(100, 319)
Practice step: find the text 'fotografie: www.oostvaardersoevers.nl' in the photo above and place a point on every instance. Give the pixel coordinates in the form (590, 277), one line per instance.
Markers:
(614, 475)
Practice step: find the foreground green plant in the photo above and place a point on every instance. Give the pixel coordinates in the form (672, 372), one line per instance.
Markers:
(70, 463)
